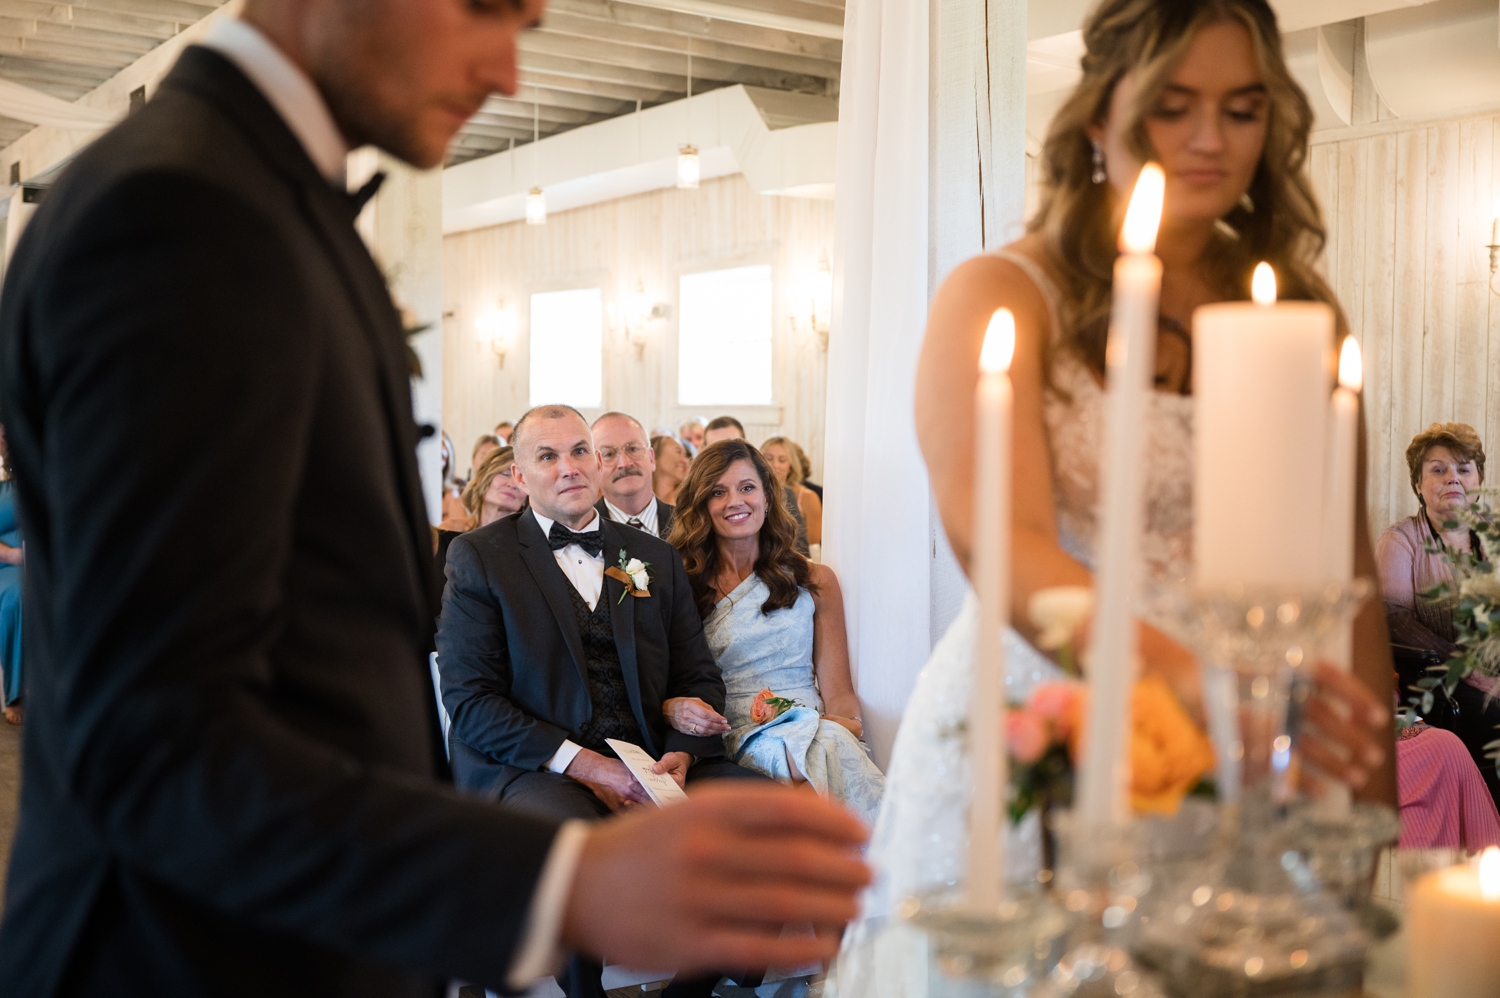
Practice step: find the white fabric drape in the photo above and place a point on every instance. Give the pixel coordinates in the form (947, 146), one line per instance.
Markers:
(930, 170)
(37, 108)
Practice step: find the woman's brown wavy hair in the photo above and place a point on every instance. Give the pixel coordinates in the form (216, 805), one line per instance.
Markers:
(1279, 221)
(779, 566)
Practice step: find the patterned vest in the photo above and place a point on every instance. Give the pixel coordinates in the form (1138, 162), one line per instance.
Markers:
(612, 717)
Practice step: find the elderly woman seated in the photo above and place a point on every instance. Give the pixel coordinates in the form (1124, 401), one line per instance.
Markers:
(1446, 462)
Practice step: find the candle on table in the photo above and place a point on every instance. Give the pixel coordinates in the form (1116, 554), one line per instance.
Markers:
(1261, 384)
(993, 404)
(1130, 359)
(1338, 517)
(1452, 929)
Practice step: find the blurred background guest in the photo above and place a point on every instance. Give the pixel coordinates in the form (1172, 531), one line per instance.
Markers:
(494, 492)
(690, 435)
(629, 466)
(775, 623)
(785, 459)
(728, 428)
(483, 448)
(800, 456)
(672, 464)
(1446, 463)
(1444, 801)
(503, 430)
(11, 556)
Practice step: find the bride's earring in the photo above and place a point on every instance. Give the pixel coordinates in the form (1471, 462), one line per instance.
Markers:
(1099, 176)
(1247, 204)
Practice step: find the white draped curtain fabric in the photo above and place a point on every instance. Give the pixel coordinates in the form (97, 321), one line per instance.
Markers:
(930, 171)
(33, 106)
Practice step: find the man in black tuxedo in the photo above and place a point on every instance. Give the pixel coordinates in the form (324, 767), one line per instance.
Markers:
(546, 653)
(628, 463)
(233, 781)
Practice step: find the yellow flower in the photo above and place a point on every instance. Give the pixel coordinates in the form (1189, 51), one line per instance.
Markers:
(1168, 753)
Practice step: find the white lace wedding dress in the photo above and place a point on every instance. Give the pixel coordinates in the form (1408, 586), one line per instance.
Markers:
(919, 838)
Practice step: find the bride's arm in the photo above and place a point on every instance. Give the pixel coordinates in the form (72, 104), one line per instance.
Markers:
(946, 378)
(831, 652)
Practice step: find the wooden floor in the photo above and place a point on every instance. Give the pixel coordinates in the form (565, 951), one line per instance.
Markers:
(10, 792)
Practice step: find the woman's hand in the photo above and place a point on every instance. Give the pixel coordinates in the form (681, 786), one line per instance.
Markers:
(692, 716)
(1348, 731)
(852, 723)
(11, 556)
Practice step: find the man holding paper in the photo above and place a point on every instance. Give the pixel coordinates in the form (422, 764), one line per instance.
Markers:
(562, 631)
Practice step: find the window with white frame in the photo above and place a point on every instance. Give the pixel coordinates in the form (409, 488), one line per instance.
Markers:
(724, 337)
(567, 348)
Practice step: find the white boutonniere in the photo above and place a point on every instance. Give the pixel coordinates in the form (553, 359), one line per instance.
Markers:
(634, 573)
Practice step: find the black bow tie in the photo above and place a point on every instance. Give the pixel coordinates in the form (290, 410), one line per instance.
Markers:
(560, 537)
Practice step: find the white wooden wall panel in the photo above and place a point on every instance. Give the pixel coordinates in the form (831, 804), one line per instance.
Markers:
(652, 238)
(1409, 209)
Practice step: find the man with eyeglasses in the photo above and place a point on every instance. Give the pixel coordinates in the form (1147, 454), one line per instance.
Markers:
(629, 464)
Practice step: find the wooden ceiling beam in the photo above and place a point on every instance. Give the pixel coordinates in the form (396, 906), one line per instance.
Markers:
(179, 12)
(557, 82)
(77, 55)
(34, 71)
(125, 24)
(588, 69)
(664, 65)
(105, 41)
(528, 93)
(700, 29)
(800, 18)
(672, 49)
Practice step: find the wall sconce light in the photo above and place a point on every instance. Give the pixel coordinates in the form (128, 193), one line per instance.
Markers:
(818, 294)
(497, 328)
(633, 317)
(688, 169)
(536, 207)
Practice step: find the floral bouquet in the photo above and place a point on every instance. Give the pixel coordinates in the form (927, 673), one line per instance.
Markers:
(1475, 593)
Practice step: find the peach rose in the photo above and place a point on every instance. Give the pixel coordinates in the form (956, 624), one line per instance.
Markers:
(760, 710)
(1057, 704)
(1025, 735)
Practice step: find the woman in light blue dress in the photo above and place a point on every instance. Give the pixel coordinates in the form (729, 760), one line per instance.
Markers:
(775, 623)
(10, 591)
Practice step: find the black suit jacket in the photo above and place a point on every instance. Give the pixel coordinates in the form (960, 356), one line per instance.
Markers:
(231, 756)
(664, 511)
(512, 659)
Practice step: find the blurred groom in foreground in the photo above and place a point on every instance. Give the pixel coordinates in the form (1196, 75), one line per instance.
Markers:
(233, 779)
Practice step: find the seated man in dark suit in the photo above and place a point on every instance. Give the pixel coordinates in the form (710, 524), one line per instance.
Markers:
(545, 654)
(628, 464)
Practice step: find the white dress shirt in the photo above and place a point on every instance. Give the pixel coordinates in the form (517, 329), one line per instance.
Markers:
(586, 573)
(296, 99)
(647, 516)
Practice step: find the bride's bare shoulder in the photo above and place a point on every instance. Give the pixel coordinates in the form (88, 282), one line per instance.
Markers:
(981, 284)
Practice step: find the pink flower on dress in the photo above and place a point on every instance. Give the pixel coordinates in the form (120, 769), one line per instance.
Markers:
(1057, 704)
(1026, 735)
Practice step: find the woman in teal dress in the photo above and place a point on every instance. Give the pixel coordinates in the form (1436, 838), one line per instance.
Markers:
(10, 590)
(775, 624)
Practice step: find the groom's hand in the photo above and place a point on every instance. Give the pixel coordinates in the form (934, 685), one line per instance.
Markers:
(711, 882)
(610, 779)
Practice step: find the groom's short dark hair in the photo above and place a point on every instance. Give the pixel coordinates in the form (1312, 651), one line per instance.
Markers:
(554, 411)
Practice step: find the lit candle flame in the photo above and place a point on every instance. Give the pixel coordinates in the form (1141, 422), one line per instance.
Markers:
(999, 342)
(1489, 874)
(1263, 284)
(1143, 217)
(1351, 366)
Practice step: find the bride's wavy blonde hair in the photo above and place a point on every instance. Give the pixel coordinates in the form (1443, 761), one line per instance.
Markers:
(1282, 224)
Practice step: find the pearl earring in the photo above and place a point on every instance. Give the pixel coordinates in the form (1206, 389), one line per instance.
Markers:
(1099, 176)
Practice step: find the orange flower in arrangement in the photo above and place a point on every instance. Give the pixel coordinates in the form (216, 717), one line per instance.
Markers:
(767, 706)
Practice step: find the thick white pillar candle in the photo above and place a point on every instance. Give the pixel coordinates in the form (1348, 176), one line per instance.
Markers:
(993, 404)
(1261, 384)
(1338, 517)
(1452, 931)
(1130, 358)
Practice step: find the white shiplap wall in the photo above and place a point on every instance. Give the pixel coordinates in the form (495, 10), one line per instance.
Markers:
(652, 238)
(1409, 209)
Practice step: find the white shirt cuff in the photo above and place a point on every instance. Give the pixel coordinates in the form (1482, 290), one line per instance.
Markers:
(539, 953)
(563, 757)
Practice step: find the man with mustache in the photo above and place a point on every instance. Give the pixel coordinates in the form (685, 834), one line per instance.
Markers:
(234, 778)
(628, 464)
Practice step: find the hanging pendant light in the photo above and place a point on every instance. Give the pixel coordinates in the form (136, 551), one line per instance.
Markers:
(536, 200)
(688, 169)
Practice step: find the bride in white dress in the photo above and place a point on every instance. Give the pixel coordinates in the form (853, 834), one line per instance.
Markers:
(1203, 87)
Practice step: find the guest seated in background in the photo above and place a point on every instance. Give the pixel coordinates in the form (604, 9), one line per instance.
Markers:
(672, 464)
(785, 458)
(629, 466)
(729, 428)
(800, 456)
(483, 447)
(545, 653)
(503, 431)
(11, 558)
(490, 494)
(775, 623)
(690, 435)
(1446, 462)
(1444, 801)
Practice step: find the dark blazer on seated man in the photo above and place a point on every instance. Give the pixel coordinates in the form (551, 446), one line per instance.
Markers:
(664, 513)
(520, 653)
